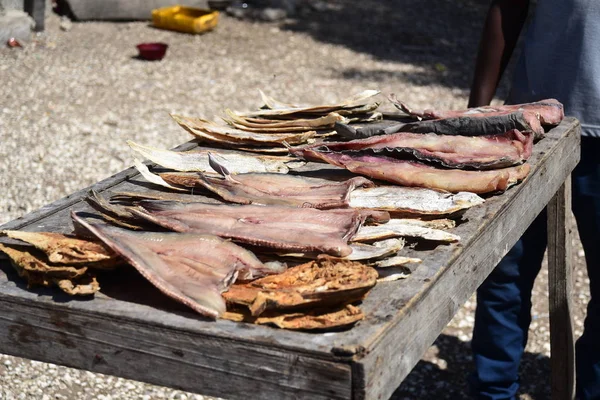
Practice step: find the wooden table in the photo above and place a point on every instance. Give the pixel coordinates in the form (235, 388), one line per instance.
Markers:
(131, 330)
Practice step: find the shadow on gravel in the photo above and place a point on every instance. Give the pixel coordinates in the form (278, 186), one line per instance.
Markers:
(440, 37)
(428, 381)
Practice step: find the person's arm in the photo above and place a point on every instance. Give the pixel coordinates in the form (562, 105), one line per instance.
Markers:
(503, 24)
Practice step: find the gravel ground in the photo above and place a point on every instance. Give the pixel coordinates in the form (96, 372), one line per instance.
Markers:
(70, 100)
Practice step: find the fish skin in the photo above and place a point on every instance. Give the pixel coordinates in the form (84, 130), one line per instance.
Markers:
(190, 268)
(273, 227)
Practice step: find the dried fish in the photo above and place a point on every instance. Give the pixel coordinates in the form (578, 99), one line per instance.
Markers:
(415, 201)
(292, 125)
(325, 282)
(397, 228)
(192, 269)
(66, 249)
(34, 267)
(376, 250)
(197, 160)
(272, 189)
(477, 152)
(396, 261)
(356, 102)
(311, 320)
(271, 227)
(223, 134)
(412, 173)
(360, 251)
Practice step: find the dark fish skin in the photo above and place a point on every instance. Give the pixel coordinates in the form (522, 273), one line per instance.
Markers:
(466, 126)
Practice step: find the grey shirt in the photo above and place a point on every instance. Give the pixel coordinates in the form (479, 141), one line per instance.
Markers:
(561, 60)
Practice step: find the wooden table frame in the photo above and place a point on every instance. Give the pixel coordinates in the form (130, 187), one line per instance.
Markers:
(131, 330)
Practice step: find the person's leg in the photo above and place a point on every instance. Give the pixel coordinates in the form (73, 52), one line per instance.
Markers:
(503, 316)
(586, 207)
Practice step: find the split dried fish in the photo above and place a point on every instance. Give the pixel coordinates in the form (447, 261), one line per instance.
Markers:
(34, 267)
(397, 228)
(293, 125)
(271, 227)
(65, 249)
(416, 201)
(376, 250)
(310, 320)
(224, 134)
(360, 251)
(324, 282)
(396, 261)
(197, 160)
(190, 268)
(354, 102)
(271, 189)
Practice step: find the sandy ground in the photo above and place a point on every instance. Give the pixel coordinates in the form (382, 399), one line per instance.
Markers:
(70, 100)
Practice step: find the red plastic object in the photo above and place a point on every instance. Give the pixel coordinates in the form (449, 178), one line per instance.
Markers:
(152, 51)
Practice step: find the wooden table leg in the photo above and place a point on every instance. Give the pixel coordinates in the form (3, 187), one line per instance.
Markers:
(559, 284)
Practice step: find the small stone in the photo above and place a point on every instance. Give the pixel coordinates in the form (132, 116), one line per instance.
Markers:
(65, 24)
(273, 14)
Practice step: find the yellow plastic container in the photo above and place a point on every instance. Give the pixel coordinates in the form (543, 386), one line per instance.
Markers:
(185, 19)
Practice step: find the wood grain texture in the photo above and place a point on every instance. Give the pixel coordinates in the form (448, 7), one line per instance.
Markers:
(562, 346)
(368, 361)
(166, 356)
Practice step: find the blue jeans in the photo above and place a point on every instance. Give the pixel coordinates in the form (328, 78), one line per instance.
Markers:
(503, 310)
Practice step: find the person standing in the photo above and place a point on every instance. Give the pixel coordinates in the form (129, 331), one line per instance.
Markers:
(560, 59)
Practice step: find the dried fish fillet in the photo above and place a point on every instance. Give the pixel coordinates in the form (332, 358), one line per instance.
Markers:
(417, 201)
(397, 228)
(412, 173)
(376, 250)
(443, 223)
(34, 267)
(197, 160)
(361, 251)
(306, 124)
(396, 261)
(473, 152)
(212, 131)
(192, 269)
(273, 227)
(33, 261)
(355, 101)
(273, 189)
(65, 249)
(311, 320)
(325, 282)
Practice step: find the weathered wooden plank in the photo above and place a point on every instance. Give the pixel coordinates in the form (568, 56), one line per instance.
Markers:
(165, 356)
(562, 347)
(399, 344)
